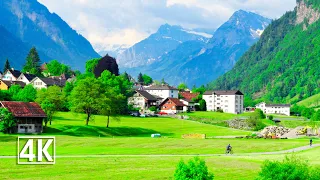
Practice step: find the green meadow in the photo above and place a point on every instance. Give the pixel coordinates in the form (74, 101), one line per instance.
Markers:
(130, 136)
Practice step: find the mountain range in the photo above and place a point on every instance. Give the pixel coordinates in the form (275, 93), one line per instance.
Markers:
(27, 23)
(191, 56)
(283, 66)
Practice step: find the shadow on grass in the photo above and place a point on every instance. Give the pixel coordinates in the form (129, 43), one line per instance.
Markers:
(8, 138)
(102, 131)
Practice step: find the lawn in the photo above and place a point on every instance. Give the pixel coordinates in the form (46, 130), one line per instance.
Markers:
(216, 115)
(313, 101)
(131, 136)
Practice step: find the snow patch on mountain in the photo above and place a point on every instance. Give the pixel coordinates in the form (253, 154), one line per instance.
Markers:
(206, 35)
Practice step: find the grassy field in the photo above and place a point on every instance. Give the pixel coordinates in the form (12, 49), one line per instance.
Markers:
(313, 101)
(131, 136)
(216, 115)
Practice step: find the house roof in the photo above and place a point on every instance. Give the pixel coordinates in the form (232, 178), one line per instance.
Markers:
(188, 100)
(14, 72)
(176, 101)
(10, 83)
(147, 95)
(53, 81)
(278, 105)
(43, 66)
(224, 92)
(28, 76)
(24, 109)
(161, 87)
(188, 96)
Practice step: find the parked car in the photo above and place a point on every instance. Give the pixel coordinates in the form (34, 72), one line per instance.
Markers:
(162, 113)
(135, 114)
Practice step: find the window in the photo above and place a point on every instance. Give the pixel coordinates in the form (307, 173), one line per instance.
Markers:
(171, 91)
(210, 101)
(226, 101)
(226, 106)
(172, 96)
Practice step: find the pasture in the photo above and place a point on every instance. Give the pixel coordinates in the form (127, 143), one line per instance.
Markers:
(156, 158)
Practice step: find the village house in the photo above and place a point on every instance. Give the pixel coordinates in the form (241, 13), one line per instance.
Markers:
(11, 75)
(5, 85)
(172, 106)
(40, 83)
(142, 99)
(227, 101)
(163, 91)
(26, 78)
(189, 103)
(283, 109)
(29, 116)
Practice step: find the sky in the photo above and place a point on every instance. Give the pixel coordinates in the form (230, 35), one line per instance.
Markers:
(108, 23)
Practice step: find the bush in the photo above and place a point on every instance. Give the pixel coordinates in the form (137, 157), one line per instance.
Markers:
(220, 110)
(270, 117)
(259, 114)
(195, 169)
(203, 105)
(153, 108)
(7, 121)
(290, 168)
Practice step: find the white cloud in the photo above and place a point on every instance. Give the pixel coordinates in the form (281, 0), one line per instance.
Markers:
(105, 22)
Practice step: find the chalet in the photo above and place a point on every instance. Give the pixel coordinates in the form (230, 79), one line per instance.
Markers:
(188, 95)
(11, 75)
(40, 83)
(172, 106)
(189, 103)
(143, 100)
(283, 109)
(164, 91)
(26, 77)
(29, 116)
(227, 101)
(5, 85)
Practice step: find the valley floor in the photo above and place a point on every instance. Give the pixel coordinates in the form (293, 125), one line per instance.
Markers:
(126, 151)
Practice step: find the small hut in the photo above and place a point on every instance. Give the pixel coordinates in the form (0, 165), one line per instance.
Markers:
(29, 116)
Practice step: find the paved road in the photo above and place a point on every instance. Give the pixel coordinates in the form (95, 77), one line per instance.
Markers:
(181, 155)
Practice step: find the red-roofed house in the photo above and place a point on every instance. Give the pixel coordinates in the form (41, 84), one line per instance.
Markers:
(172, 106)
(188, 95)
(29, 116)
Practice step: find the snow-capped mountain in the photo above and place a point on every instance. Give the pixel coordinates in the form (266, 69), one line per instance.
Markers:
(113, 50)
(197, 63)
(151, 49)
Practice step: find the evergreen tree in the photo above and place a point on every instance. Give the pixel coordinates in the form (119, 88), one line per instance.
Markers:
(126, 76)
(140, 78)
(32, 62)
(6, 66)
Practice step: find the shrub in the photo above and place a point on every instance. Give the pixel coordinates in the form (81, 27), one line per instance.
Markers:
(195, 169)
(259, 114)
(203, 105)
(7, 121)
(290, 168)
(153, 108)
(220, 110)
(270, 117)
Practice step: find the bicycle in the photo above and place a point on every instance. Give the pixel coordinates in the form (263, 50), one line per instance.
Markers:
(229, 151)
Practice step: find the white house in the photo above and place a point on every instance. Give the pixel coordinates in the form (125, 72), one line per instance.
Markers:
(143, 100)
(26, 77)
(163, 91)
(189, 103)
(283, 109)
(11, 75)
(227, 101)
(40, 83)
(172, 106)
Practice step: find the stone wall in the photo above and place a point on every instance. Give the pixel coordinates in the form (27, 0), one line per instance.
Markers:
(194, 136)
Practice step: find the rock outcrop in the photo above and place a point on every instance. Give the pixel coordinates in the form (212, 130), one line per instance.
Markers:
(306, 12)
(274, 131)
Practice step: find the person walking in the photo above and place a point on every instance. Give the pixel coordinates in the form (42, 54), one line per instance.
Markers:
(310, 142)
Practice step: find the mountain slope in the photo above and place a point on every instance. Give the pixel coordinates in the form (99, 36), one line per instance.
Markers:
(14, 49)
(197, 63)
(33, 24)
(284, 65)
(150, 50)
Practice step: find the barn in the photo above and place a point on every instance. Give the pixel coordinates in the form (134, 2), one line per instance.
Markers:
(29, 116)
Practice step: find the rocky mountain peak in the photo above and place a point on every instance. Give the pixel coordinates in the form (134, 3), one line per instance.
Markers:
(306, 10)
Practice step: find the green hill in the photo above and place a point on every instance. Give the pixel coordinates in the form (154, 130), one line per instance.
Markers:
(312, 102)
(284, 63)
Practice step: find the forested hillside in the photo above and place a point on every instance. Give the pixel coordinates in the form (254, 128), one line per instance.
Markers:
(284, 66)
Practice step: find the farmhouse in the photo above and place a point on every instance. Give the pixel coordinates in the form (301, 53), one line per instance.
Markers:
(40, 83)
(143, 100)
(283, 109)
(172, 106)
(227, 101)
(29, 116)
(11, 75)
(5, 85)
(163, 91)
(26, 77)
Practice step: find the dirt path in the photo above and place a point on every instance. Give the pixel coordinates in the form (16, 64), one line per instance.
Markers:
(181, 155)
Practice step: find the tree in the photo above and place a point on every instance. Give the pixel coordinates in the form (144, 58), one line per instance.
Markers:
(6, 66)
(32, 62)
(87, 97)
(55, 68)
(316, 116)
(290, 168)
(258, 113)
(153, 108)
(7, 121)
(195, 169)
(147, 80)
(163, 81)
(202, 105)
(13, 91)
(98, 65)
(50, 100)
(140, 78)
(27, 94)
(182, 86)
